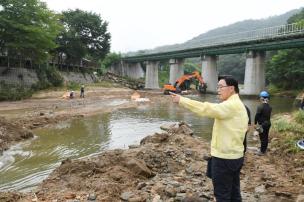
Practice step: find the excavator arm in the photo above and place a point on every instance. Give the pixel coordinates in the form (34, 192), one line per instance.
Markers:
(183, 83)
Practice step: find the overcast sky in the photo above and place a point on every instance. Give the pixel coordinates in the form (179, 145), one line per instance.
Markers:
(146, 24)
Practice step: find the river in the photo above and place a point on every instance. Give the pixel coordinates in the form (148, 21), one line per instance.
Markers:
(26, 164)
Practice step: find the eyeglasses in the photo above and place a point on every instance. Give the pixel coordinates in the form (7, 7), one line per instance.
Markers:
(220, 87)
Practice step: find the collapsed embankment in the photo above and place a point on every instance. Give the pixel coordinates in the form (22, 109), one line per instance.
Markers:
(11, 133)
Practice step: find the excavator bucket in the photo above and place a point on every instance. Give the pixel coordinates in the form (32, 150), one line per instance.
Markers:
(168, 88)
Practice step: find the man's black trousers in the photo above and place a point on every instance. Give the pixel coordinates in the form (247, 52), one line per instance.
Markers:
(225, 175)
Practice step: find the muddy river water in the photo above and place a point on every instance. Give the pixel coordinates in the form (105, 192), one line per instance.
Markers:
(26, 164)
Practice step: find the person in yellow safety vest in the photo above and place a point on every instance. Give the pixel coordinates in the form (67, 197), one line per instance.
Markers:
(227, 149)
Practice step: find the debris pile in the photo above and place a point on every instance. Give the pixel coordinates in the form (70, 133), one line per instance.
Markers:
(129, 83)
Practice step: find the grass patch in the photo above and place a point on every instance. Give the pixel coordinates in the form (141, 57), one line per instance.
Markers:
(288, 130)
(14, 92)
(73, 86)
(299, 117)
(163, 78)
(276, 91)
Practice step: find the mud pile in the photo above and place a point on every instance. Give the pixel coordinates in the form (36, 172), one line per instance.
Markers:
(11, 133)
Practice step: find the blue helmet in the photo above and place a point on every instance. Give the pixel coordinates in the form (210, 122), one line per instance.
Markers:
(264, 94)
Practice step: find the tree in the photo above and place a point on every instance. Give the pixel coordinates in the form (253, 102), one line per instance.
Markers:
(27, 29)
(286, 68)
(110, 59)
(85, 35)
(232, 65)
(190, 67)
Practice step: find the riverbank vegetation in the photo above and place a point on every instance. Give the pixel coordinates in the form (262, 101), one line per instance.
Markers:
(47, 42)
(287, 130)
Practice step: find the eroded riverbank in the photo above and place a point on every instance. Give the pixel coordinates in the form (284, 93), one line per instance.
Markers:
(171, 165)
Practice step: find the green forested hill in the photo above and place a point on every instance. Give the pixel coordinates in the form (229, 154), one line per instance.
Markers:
(227, 64)
(237, 27)
(247, 25)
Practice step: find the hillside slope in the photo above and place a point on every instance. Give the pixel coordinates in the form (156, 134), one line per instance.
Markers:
(237, 27)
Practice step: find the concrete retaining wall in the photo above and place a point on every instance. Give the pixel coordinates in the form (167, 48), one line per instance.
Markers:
(78, 77)
(28, 77)
(20, 76)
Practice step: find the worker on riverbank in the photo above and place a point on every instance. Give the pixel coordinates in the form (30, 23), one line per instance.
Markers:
(229, 129)
(72, 94)
(262, 118)
(82, 91)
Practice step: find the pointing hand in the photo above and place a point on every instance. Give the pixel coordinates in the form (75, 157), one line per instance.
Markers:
(175, 97)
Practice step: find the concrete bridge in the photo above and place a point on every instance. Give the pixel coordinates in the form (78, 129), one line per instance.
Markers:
(254, 43)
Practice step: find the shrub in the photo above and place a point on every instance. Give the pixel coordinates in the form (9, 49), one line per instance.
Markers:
(14, 92)
(299, 117)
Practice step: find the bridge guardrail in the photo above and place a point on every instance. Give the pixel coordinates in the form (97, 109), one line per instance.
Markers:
(196, 47)
(247, 36)
(259, 34)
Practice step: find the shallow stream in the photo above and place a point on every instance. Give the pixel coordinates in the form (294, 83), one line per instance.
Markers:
(25, 165)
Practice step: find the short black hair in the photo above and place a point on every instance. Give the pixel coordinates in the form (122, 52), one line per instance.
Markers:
(230, 81)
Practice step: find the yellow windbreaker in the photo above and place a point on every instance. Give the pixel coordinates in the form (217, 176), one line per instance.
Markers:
(230, 124)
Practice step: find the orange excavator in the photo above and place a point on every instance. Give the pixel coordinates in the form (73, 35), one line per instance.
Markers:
(183, 83)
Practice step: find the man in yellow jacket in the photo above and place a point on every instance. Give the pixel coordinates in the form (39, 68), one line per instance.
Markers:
(227, 149)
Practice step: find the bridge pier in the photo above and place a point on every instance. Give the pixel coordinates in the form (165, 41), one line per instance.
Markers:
(209, 72)
(254, 81)
(151, 81)
(176, 69)
(117, 68)
(133, 70)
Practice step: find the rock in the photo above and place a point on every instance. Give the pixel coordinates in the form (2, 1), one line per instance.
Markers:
(180, 196)
(260, 189)
(170, 191)
(269, 184)
(156, 198)
(133, 146)
(192, 199)
(27, 134)
(70, 196)
(36, 124)
(300, 198)
(156, 138)
(139, 168)
(284, 194)
(184, 129)
(141, 185)
(182, 189)
(136, 199)
(169, 128)
(126, 195)
(92, 197)
(188, 152)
